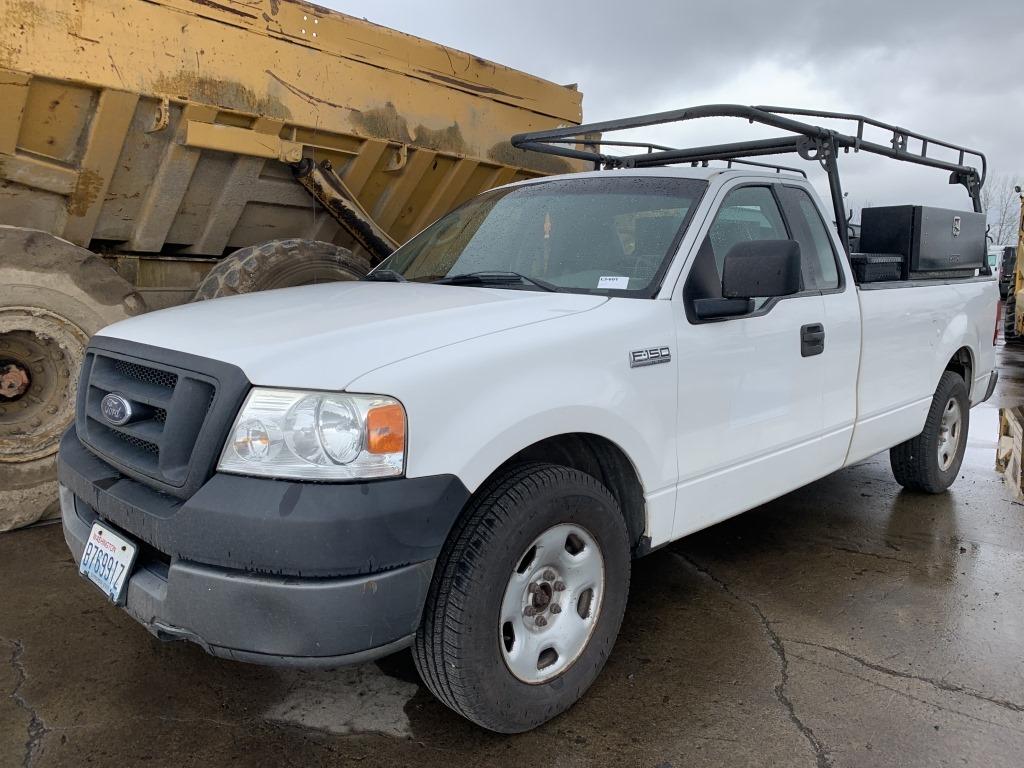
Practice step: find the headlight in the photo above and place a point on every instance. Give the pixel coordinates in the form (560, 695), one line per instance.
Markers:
(316, 436)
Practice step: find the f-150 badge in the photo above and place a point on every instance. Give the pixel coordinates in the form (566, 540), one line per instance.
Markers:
(650, 356)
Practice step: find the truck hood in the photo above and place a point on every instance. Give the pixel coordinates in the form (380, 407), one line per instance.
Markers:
(325, 336)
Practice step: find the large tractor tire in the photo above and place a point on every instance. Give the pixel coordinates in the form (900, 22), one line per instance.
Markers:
(280, 264)
(53, 296)
(1010, 321)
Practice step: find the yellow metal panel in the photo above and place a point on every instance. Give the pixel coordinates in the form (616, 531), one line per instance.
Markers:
(241, 141)
(502, 175)
(482, 178)
(168, 188)
(229, 206)
(360, 168)
(107, 132)
(38, 174)
(13, 95)
(55, 117)
(354, 78)
(1018, 275)
(285, 192)
(338, 35)
(391, 203)
(444, 195)
(235, 194)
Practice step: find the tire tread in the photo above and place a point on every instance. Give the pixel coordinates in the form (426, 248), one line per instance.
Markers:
(912, 461)
(437, 648)
(246, 270)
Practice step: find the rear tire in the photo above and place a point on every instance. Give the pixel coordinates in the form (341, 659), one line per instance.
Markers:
(280, 264)
(503, 558)
(931, 461)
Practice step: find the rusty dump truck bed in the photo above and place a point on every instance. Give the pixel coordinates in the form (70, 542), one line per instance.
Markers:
(167, 126)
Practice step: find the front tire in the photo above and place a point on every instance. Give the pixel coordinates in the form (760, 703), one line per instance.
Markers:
(931, 461)
(527, 598)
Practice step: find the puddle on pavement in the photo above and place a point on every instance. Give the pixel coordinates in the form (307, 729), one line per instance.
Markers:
(345, 701)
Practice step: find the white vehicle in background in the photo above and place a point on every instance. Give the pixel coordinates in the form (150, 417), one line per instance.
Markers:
(994, 257)
(463, 452)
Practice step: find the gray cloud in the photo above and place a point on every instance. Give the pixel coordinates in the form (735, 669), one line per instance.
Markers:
(954, 70)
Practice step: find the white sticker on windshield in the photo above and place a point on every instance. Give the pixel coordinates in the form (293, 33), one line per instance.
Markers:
(613, 282)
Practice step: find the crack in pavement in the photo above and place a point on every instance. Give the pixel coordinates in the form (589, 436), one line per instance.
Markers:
(821, 752)
(898, 692)
(37, 729)
(942, 685)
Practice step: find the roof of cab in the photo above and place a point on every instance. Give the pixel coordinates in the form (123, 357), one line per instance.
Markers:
(685, 172)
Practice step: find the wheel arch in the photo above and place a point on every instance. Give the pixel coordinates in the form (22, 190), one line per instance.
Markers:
(602, 459)
(956, 349)
(962, 363)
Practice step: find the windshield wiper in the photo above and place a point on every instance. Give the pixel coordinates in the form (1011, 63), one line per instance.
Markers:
(386, 276)
(495, 277)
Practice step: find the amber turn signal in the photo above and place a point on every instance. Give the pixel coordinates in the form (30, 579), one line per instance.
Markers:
(385, 429)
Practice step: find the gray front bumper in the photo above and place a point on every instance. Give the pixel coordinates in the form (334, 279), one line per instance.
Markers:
(286, 621)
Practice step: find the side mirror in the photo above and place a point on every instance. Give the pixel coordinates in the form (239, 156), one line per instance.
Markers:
(757, 268)
(762, 268)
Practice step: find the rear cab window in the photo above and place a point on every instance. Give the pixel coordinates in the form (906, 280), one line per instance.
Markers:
(818, 263)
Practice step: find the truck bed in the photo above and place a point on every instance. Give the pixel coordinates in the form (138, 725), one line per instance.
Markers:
(908, 333)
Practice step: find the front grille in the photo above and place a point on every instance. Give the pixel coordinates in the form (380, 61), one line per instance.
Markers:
(145, 374)
(179, 416)
(138, 443)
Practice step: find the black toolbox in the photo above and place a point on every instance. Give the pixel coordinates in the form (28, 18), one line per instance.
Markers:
(877, 267)
(935, 242)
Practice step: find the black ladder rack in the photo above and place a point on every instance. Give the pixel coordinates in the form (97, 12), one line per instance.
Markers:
(809, 141)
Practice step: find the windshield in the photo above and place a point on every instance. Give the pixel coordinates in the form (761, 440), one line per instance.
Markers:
(608, 235)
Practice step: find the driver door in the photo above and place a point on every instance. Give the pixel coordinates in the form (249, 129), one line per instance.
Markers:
(750, 416)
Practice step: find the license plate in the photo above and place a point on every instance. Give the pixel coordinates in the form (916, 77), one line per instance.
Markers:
(107, 561)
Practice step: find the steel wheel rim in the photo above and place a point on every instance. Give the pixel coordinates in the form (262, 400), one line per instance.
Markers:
(950, 429)
(45, 351)
(551, 604)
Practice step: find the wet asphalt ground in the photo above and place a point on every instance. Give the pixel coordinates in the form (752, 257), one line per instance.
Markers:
(846, 624)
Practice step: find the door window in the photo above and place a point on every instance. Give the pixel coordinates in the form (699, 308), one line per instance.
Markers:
(746, 214)
(818, 259)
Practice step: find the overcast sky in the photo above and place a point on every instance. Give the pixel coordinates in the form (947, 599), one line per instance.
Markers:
(954, 70)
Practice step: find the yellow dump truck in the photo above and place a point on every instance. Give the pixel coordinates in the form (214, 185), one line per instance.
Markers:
(152, 152)
(1011, 284)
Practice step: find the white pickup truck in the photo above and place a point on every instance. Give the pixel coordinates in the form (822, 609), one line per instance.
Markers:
(463, 452)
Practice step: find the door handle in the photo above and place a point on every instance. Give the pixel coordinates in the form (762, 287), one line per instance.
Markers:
(812, 339)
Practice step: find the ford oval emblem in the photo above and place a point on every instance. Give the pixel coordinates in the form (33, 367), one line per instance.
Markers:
(116, 409)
